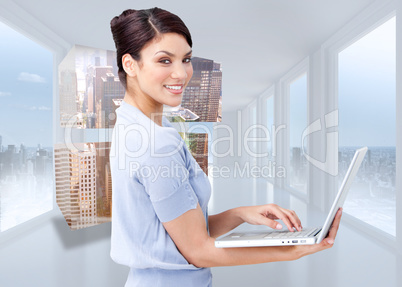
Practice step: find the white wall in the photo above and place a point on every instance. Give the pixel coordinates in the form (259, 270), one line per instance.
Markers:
(48, 254)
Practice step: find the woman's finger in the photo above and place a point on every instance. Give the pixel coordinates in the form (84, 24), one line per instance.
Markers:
(271, 223)
(335, 225)
(293, 218)
(289, 217)
(286, 219)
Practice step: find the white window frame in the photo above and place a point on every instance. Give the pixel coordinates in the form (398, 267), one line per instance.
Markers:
(285, 82)
(368, 20)
(263, 117)
(251, 159)
(18, 19)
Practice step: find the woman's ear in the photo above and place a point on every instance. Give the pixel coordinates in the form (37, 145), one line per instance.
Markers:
(129, 65)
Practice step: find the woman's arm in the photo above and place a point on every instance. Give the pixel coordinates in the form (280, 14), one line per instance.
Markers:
(224, 222)
(258, 215)
(189, 233)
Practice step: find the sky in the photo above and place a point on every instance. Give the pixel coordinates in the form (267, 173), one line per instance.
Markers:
(366, 90)
(367, 81)
(26, 90)
(298, 110)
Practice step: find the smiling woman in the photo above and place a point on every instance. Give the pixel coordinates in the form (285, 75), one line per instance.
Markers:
(26, 173)
(161, 74)
(160, 224)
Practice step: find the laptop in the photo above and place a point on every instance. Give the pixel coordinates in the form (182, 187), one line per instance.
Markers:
(304, 237)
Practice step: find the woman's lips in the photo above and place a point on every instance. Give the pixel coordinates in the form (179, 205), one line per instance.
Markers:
(174, 89)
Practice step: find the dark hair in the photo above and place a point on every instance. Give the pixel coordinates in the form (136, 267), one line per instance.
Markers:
(133, 29)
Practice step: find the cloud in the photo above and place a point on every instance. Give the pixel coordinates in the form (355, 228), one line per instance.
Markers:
(31, 78)
(41, 108)
(5, 94)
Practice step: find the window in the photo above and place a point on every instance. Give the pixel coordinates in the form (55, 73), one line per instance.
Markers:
(269, 124)
(26, 158)
(269, 145)
(252, 145)
(366, 75)
(297, 173)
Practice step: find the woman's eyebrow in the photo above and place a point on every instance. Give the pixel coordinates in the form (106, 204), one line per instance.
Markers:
(171, 54)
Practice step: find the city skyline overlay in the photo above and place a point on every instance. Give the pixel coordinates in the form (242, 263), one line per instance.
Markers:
(89, 89)
(84, 183)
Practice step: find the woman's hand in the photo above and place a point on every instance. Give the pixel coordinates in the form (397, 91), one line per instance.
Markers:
(267, 214)
(189, 233)
(328, 242)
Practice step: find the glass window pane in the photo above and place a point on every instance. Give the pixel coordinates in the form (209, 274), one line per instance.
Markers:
(253, 134)
(270, 123)
(367, 118)
(26, 158)
(297, 173)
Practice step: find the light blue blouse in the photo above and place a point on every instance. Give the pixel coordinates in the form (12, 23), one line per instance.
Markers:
(155, 179)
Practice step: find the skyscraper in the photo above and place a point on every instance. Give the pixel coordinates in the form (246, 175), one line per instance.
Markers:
(95, 86)
(82, 74)
(108, 187)
(40, 162)
(68, 96)
(216, 94)
(115, 105)
(197, 144)
(199, 149)
(112, 90)
(68, 89)
(296, 159)
(203, 92)
(76, 184)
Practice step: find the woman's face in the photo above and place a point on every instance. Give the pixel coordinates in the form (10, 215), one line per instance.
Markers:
(164, 69)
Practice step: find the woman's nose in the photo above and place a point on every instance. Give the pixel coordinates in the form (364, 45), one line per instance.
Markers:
(179, 72)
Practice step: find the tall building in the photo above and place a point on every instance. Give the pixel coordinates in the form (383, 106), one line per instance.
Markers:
(215, 103)
(296, 159)
(115, 105)
(102, 87)
(23, 157)
(40, 162)
(69, 106)
(112, 90)
(94, 84)
(76, 184)
(112, 61)
(82, 73)
(108, 187)
(203, 92)
(68, 96)
(11, 162)
(198, 146)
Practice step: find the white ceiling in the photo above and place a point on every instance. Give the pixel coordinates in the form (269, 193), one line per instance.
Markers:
(256, 41)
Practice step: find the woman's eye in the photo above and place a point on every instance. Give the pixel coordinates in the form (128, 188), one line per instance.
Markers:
(187, 60)
(165, 61)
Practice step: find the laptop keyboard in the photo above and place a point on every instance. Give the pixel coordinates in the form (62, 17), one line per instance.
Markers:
(296, 234)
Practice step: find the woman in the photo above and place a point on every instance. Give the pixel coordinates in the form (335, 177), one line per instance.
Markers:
(160, 225)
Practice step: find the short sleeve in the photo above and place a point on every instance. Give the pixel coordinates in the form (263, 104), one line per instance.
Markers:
(166, 182)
